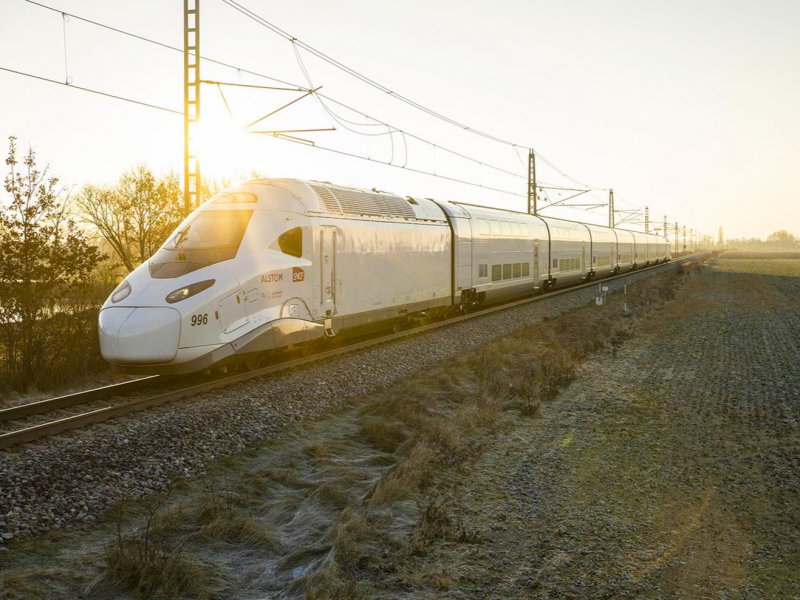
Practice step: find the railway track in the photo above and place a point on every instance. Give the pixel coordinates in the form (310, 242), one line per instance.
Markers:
(114, 403)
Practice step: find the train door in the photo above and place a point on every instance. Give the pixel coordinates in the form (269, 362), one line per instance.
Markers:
(327, 261)
(585, 268)
(536, 281)
(463, 253)
(231, 312)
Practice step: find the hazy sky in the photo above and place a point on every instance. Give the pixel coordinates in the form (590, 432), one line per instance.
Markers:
(690, 107)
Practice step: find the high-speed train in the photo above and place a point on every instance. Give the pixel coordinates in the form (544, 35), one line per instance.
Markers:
(275, 263)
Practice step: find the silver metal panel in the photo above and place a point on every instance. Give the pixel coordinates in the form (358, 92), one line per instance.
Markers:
(379, 264)
(503, 239)
(641, 249)
(232, 312)
(604, 249)
(139, 335)
(625, 248)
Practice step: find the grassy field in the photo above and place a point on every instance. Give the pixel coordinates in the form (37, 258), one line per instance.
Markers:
(781, 267)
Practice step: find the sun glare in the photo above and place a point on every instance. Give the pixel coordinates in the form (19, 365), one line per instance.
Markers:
(223, 148)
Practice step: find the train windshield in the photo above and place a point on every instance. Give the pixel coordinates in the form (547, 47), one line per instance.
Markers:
(210, 237)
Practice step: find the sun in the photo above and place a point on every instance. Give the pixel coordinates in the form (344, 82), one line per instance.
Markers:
(223, 148)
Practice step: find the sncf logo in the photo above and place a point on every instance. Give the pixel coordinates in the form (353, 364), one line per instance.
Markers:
(298, 274)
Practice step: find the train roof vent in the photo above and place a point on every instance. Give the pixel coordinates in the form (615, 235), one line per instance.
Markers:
(364, 203)
(329, 201)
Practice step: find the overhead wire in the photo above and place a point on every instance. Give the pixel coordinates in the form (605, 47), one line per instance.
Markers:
(411, 169)
(93, 91)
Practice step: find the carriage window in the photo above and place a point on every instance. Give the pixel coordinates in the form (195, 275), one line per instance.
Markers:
(526, 269)
(517, 270)
(496, 229)
(497, 272)
(483, 270)
(291, 242)
(569, 264)
(483, 227)
(555, 263)
(507, 271)
(506, 228)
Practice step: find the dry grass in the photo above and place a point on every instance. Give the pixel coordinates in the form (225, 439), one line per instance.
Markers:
(150, 560)
(407, 475)
(23, 585)
(330, 494)
(431, 578)
(352, 530)
(236, 527)
(327, 585)
(159, 557)
(149, 569)
(384, 434)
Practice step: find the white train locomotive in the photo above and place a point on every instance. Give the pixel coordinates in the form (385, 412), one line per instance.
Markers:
(276, 263)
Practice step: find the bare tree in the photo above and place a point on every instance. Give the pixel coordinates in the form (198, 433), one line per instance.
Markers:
(136, 215)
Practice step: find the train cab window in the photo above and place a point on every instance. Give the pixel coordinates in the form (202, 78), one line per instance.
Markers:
(507, 271)
(497, 272)
(483, 270)
(211, 236)
(291, 242)
(526, 269)
(517, 270)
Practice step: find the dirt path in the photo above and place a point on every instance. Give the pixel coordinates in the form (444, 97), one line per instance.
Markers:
(671, 469)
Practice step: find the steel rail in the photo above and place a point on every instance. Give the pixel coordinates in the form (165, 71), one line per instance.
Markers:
(21, 411)
(110, 412)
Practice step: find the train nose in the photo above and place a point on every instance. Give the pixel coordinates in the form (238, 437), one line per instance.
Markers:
(139, 335)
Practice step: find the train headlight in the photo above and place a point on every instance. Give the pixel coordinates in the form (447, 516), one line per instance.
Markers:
(189, 291)
(123, 291)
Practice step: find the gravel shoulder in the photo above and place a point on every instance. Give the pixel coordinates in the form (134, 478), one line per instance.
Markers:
(669, 468)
